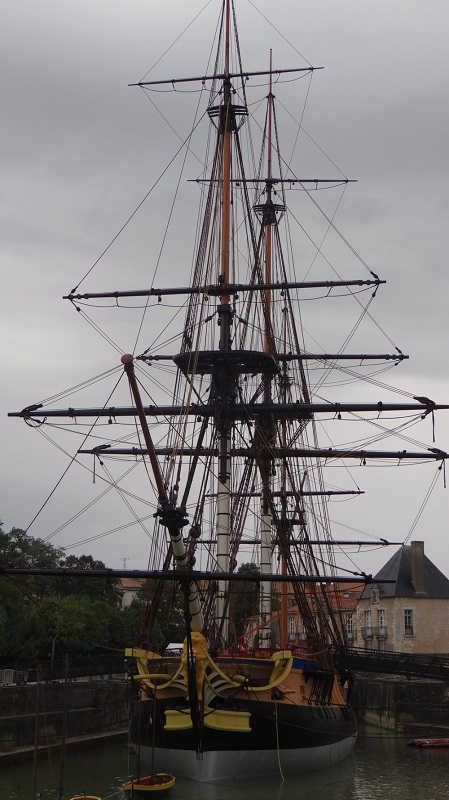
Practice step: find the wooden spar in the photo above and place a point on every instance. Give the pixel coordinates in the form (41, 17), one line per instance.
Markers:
(190, 575)
(128, 365)
(221, 76)
(432, 454)
(173, 518)
(215, 290)
(239, 411)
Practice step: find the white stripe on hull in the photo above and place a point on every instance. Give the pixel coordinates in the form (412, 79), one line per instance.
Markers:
(217, 765)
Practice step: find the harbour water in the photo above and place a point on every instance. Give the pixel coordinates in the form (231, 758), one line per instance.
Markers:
(382, 767)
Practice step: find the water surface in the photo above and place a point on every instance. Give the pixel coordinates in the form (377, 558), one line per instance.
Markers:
(382, 767)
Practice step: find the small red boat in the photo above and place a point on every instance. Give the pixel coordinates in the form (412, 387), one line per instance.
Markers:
(442, 742)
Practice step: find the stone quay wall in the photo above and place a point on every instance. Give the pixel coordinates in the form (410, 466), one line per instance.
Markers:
(417, 708)
(93, 707)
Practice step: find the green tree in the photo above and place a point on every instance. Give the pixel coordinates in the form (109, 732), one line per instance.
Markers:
(77, 624)
(18, 549)
(245, 598)
(75, 614)
(168, 624)
(123, 625)
(92, 587)
(19, 594)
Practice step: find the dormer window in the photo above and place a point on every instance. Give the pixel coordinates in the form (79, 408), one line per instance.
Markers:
(375, 595)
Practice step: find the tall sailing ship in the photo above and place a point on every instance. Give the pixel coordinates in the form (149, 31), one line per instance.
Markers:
(233, 460)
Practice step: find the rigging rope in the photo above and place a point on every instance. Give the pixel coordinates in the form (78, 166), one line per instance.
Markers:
(72, 459)
(277, 741)
(175, 41)
(424, 503)
(138, 207)
(186, 152)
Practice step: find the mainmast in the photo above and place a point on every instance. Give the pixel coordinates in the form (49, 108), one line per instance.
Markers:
(222, 378)
(268, 219)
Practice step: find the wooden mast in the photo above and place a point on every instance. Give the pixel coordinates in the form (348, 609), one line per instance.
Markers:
(268, 346)
(224, 319)
(266, 521)
(226, 167)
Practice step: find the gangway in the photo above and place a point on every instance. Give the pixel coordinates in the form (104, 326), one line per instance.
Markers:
(434, 666)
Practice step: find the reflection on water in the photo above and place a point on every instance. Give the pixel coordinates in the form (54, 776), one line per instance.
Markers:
(382, 767)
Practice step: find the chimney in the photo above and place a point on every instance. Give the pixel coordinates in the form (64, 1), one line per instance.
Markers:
(417, 564)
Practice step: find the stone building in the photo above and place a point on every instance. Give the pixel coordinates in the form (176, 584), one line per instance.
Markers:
(341, 599)
(129, 589)
(410, 615)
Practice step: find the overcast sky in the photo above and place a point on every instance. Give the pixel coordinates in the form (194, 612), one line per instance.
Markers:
(80, 149)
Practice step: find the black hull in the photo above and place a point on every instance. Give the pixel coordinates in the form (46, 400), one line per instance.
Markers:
(299, 737)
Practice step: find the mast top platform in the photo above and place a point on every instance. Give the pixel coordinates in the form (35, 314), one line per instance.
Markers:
(242, 361)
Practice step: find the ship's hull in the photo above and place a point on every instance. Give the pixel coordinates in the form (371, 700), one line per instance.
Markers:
(282, 737)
